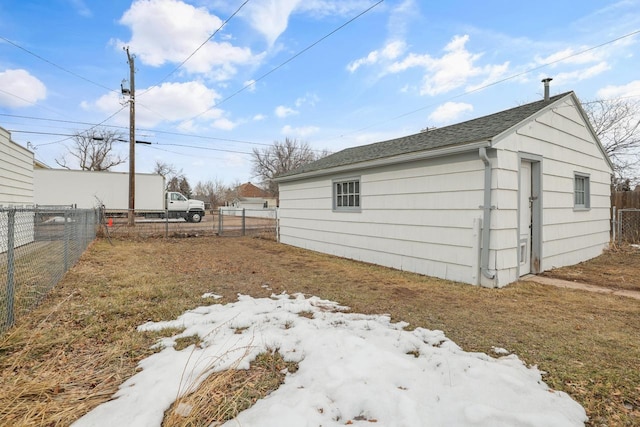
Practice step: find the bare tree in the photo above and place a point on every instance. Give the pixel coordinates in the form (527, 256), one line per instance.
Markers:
(213, 191)
(617, 124)
(175, 179)
(279, 158)
(94, 150)
(231, 192)
(167, 170)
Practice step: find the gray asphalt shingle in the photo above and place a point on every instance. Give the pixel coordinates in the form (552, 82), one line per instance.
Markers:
(479, 129)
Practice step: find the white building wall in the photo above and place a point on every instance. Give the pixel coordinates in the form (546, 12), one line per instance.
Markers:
(16, 190)
(16, 173)
(420, 217)
(417, 217)
(563, 141)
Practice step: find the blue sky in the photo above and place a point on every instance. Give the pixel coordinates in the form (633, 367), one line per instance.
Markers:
(399, 67)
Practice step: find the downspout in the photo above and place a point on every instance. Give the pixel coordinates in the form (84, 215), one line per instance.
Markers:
(486, 216)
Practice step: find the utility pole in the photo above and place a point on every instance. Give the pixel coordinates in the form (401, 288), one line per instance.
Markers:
(132, 137)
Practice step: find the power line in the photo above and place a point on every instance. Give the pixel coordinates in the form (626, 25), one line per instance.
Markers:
(197, 49)
(124, 128)
(288, 60)
(56, 65)
(513, 76)
(125, 141)
(201, 148)
(88, 130)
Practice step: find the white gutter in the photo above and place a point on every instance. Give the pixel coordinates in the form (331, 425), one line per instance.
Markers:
(486, 216)
(402, 158)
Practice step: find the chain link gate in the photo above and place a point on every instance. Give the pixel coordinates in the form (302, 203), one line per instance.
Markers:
(628, 226)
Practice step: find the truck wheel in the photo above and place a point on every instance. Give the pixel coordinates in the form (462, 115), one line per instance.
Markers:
(195, 217)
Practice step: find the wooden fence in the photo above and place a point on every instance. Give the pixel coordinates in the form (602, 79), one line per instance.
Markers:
(625, 199)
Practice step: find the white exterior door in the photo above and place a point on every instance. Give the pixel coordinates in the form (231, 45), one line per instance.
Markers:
(524, 244)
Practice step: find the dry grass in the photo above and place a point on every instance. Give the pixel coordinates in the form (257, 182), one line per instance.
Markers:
(223, 395)
(616, 268)
(73, 352)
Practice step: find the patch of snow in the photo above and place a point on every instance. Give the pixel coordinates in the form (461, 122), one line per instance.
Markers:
(352, 368)
(211, 295)
(500, 350)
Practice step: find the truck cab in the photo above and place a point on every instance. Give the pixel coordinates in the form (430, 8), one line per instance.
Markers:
(179, 206)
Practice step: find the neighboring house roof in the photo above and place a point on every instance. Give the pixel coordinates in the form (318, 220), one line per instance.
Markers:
(465, 135)
(250, 190)
(251, 199)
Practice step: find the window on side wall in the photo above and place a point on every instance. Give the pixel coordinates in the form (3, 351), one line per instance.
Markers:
(346, 195)
(581, 191)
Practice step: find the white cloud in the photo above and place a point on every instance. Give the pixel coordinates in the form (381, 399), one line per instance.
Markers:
(170, 31)
(450, 71)
(389, 52)
(81, 8)
(223, 123)
(270, 17)
(323, 8)
(630, 89)
(449, 112)
(169, 102)
(20, 89)
(568, 78)
(569, 56)
(282, 111)
(259, 117)
(308, 99)
(250, 85)
(301, 132)
(493, 73)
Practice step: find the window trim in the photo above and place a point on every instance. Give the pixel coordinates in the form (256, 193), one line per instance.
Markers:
(357, 194)
(586, 179)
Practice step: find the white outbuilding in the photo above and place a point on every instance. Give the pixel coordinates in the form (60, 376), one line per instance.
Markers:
(483, 202)
(16, 191)
(16, 173)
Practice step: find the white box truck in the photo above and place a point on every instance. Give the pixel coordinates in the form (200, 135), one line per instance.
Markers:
(91, 189)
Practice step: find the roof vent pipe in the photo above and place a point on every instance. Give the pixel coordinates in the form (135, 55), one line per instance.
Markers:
(546, 87)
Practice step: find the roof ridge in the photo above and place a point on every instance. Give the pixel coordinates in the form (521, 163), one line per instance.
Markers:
(470, 131)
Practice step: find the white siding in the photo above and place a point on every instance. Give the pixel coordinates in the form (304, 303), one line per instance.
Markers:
(420, 216)
(563, 141)
(416, 217)
(16, 173)
(16, 190)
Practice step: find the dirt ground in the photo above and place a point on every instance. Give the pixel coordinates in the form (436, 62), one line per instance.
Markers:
(616, 268)
(73, 352)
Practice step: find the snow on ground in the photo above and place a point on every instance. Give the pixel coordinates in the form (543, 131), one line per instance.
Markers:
(353, 368)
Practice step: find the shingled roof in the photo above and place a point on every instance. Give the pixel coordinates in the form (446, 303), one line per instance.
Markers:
(476, 130)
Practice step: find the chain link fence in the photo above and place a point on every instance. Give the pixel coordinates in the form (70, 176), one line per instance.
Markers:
(37, 246)
(628, 226)
(242, 222)
(227, 221)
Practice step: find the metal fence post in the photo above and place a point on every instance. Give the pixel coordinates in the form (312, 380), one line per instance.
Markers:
(166, 223)
(29, 234)
(65, 254)
(244, 221)
(620, 226)
(613, 225)
(275, 211)
(11, 223)
(220, 223)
